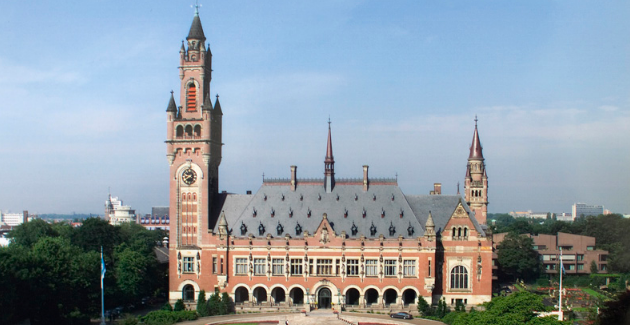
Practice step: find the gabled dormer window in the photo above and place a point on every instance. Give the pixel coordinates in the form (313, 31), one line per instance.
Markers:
(392, 229)
(373, 229)
(298, 229)
(354, 229)
(279, 229)
(243, 229)
(261, 229)
(410, 230)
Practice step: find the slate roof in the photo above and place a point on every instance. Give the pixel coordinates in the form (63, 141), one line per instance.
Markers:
(291, 208)
(196, 31)
(441, 207)
(160, 211)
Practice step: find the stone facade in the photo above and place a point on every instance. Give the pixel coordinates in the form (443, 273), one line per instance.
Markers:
(302, 242)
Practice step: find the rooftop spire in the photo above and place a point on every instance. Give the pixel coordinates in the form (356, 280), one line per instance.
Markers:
(475, 148)
(196, 31)
(171, 104)
(329, 164)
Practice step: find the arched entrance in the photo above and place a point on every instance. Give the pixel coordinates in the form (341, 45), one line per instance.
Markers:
(352, 297)
(324, 298)
(390, 296)
(371, 296)
(278, 295)
(260, 294)
(188, 293)
(409, 297)
(241, 295)
(297, 296)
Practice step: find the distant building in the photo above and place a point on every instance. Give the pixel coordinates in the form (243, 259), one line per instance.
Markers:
(564, 217)
(158, 219)
(585, 210)
(13, 219)
(529, 214)
(577, 252)
(118, 213)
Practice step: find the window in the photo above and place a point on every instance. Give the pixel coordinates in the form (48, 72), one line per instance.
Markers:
(324, 266)
(603, 267)
(241, 266)
(580, 257)
(352, 268)
(580, 267)
(260, 266)
(430, 267)
(409, 268)
(371, 267)
(390, 267)
(277, 266)
(570, 267)
(189, 264)
(459, 277)
(310, 266)
(296, 266)
(589, 248)
(221, 265)
(603, 258)
(214, 265)
(191, 98)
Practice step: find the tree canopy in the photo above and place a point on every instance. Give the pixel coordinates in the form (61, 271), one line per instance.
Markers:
(50, 274)
(517, 257)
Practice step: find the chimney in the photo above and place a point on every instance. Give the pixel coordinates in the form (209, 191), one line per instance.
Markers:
(293, 178)
(365, 178)
(437, 188)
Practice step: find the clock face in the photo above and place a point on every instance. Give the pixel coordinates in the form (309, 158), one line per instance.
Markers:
(189, 176)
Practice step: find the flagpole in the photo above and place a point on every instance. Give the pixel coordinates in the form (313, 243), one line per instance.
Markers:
(560, 318)
(102, 294)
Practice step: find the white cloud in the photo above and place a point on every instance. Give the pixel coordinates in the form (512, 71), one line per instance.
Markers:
(608, 108)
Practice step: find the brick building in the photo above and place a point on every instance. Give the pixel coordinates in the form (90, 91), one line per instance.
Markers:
(298, 242)
(577, 252)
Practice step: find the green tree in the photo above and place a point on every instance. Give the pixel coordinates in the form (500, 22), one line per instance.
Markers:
(616, 311)
(517, 258)
(96, 233)
(28, 233)
(214, 303)
(133, 271)
(594, 269)
(202, 305)
(423, 307)
(226, 304)
(179, 305)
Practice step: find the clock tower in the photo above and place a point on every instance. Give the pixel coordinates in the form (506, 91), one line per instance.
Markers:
(476, 182)
(193, 146)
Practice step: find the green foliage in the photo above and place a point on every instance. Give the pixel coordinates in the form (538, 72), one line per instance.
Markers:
(423, 307)
(162, 317)
(167, 307)
(179, 305)
(459, 306)
(227, 305)
(515, 309)
(609, 231)
(202, 306)
(214, 304)
(28, 233)
(129, 320)
(50, 273)
(517, 258)
(616, 311)
(594, 269)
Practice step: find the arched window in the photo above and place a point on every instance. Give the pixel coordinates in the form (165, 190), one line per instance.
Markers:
(188, 293)
(465, 232)
(191, 97)
(179, 132)
(189, 130)
(197, 130)
(459, 277)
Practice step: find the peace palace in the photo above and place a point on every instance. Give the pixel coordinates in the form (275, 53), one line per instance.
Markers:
(300, 243)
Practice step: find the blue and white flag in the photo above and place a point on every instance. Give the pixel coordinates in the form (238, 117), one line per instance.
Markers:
(103, 270)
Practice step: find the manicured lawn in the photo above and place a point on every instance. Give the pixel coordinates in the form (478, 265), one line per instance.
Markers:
(594, 293)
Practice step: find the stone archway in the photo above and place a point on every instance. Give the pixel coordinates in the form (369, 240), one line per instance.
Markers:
(260, 294)
(324, 298)
(390, 296)
(409, 297)
(371, 296)
(241, 295)
(352, 297)
(278, 295)
(297, 296)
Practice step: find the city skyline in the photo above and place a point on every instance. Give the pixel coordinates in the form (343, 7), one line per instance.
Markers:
(85, 89)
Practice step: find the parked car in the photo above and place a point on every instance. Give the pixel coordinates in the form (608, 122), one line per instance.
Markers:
(402, 315)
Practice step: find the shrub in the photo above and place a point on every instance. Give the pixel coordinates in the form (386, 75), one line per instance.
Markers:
(167, 306)
(179, 305)
(202, 306)
(423, 307)
(162, 317)
(129, 320)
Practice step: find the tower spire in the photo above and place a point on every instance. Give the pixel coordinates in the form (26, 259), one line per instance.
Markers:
(196, 31)
(475, 148)
(329, 163)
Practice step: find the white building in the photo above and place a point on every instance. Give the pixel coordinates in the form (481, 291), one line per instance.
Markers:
(13, 219)
(564, 217)
(117, 213)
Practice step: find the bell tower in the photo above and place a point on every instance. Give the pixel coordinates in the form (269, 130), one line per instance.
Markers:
(193, 142)
(476, 185)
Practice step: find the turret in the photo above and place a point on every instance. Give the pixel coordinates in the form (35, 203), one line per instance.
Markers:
(329, 164)
(476, 181)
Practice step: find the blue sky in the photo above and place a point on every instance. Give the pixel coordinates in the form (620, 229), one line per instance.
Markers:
(84, 87)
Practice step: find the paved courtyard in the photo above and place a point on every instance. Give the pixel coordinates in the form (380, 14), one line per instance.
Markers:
(313, 318)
